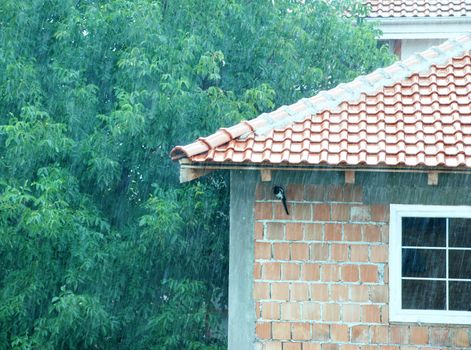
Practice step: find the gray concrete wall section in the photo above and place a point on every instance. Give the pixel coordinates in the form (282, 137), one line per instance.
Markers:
(241, 257)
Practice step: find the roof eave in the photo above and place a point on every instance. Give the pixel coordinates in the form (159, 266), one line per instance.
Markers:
(422, 27)
(193, 170)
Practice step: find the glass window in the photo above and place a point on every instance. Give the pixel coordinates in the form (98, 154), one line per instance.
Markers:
(430, 264)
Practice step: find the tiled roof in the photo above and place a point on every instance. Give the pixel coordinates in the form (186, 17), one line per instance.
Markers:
(413, 113)
(419, 8)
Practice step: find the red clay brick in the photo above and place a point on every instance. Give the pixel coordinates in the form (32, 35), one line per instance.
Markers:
(258, 234)
(339, 252)
(292, 346)
(359, 293)
(263, 330)
(279, 291)
(281, 251)
(320, 332)
(331, 312)
(311, 311)
(313, 232)
(319, 251)
(279, 212)
(299, 251)
(460, 337)
(340, 212)
(339, 333)
(263, 191)
(330, 273)
(352, 193)
(384, 314)
(351, 313)
(311, 346)
(380, 334)
(368, 273)
(379, 254)
(299, 292)
(290, 311)
(290, 272)
(261, 290)
(270, 311)
(334, 193)
(262, 250)
(257, 271)
(371, 314)
(350, 273)
(399, 335)
(418, 335)
(339, 292)
(333, 232)
(301, 212)
(314, 193)
(258, 310)
(372, 233)
(310, 272)
(319, 292)
(349, 347)
(281, 330)
(360, 213)
(301, 331)
(330, 346)
(294, 232)
(379, 213)
(385, 234)
(321, 212)
(274, 231)
(263, 211)
(360, 334)
(379, 294)
(440, 336)
(272, 346)
(271, 271)
(295, 192)
(359, 253)
(352, 232)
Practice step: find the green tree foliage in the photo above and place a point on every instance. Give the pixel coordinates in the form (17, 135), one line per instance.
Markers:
(100, 247)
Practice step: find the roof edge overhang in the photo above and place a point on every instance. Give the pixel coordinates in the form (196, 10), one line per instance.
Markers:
(193, 170)
(422, 27)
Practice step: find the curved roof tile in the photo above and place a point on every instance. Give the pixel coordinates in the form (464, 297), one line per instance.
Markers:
(414, 113)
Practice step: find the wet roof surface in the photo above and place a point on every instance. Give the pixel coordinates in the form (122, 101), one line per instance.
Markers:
(414, 113)
(419, 8)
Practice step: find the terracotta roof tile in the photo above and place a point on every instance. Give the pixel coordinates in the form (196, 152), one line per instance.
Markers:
(418, 8)
(414, 113)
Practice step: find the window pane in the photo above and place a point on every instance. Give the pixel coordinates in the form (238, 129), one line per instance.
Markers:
(460, 232)
(460, 264)
(424, 232)
(423, 295)
(424, 263)
(460, 296)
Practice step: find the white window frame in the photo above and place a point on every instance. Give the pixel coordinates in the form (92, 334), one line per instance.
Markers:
(396, 313)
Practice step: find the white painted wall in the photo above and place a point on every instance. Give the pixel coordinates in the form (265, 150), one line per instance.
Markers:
(411, 46)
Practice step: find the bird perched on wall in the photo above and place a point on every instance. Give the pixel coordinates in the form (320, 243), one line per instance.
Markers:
(279, 193)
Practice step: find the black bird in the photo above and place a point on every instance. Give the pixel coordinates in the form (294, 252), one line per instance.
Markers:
(280, 194)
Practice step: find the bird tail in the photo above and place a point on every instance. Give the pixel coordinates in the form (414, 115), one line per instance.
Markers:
(285, 206)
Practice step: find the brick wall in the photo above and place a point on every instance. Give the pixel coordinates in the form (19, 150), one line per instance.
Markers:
(321, 275)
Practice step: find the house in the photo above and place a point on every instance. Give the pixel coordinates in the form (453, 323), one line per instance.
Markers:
(411, 26)
(375, 252)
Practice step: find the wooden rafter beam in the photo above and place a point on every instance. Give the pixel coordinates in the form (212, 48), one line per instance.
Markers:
(432, 178)
(349, 176)
(265, 175)
(188, 173)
